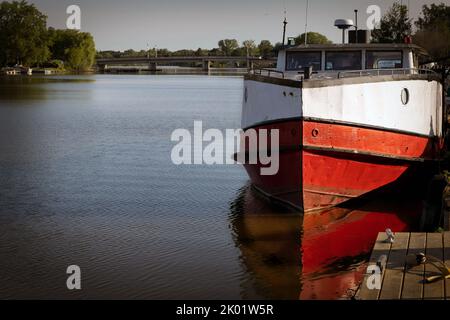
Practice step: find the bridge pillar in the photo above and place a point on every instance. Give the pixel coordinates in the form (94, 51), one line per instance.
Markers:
(206, 65)
(152, 66)
(103, 67)
(250, 65)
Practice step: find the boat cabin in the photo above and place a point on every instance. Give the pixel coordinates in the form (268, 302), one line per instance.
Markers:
(340, 58)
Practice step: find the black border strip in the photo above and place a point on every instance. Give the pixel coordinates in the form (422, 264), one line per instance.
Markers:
(347, 152)
(364, 154)
(338, 122)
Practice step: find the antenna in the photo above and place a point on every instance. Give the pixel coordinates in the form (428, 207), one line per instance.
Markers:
(284, 29)
(408, 10)
(343, 24)
(356, 25)
(284, 23)
(306, 24)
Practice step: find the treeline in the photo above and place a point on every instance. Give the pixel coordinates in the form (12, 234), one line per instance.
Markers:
(432, 29)
(25, 40)
(225, 47)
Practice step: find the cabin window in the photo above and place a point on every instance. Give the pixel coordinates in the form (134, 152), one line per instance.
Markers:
(343, 60)
(300, 60)
(384, 59)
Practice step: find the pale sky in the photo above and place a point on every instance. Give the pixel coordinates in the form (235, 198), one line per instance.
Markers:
(190, 24)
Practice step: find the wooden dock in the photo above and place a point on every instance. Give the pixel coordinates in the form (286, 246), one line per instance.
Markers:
(394, 274)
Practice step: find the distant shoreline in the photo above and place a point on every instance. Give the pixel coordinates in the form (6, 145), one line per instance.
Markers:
(163, 70)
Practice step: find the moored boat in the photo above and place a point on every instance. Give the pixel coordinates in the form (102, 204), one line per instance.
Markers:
(352, 119)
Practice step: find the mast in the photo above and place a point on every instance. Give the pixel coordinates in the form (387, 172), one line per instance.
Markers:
(284, 30)
(284, 23)
(306, 24)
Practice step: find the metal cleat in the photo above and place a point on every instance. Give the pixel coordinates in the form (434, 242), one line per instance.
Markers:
(390, 236)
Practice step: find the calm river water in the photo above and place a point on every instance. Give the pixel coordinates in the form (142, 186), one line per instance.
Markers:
(86, 179)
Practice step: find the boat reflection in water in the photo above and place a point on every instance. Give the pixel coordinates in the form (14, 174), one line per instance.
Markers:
(268, 237)
(318, 256)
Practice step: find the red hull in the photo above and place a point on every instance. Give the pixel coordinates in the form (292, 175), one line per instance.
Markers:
(325, 164)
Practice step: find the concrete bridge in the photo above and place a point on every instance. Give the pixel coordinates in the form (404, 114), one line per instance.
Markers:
(152, 63)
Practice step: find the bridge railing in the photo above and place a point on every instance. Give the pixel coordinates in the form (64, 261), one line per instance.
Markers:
(180, 59)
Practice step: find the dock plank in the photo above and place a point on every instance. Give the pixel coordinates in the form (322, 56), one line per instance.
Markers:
(447, 262)
(393, 278)
(435, 290)
(380, 248)
(413, 281)
(400, 281)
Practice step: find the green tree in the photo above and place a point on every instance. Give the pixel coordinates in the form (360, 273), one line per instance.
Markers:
(433, 30)
(227, 46)
(277, 47)
(313, 38)
(130, 53)
(75, 48)
(163, 52)
(105, 54)
(215, 52)
(265, 48)
(23, 34)
(142, 53)
(394, 26)
(250, 48)
(201, 52)
(183, 53)
(432, 15)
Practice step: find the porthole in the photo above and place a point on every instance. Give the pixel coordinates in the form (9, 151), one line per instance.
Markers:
(246, 95)
(315, 133)
(405, 96)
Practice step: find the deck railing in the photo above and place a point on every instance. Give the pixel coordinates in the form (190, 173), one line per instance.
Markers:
(383, 72)
(269, 72)
(342, 74)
